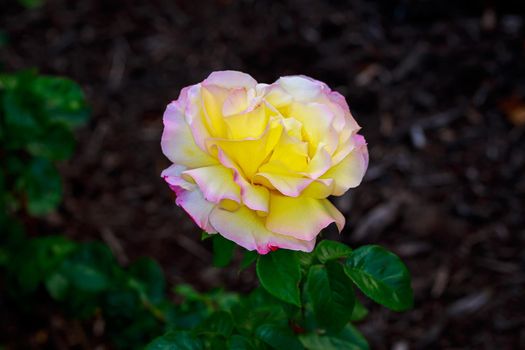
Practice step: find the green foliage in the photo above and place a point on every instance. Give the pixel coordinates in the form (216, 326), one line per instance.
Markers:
(42, 186)
(349, 338)
(331, 294)
(176, 341)
(306, 301)
(331, 250)
(359, 312)
(280, 273)
(31, 3)
(223, 250)
(249, 258)
(278, 337)
(382, 276)
(37, 117)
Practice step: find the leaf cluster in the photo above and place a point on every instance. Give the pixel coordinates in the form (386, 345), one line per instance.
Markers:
(305, 301)
(84, 280)
(37, 117)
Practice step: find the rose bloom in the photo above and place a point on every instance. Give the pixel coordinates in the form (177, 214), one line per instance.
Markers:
(256, 162)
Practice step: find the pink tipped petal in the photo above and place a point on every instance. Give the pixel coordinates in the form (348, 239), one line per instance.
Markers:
(172, 176)
(235, 103)
(177, 140)
(277, 96)
(301, 88)
(343, 115)
(301, 217)
(350, 171)
(195, 116)
(230, 79)
(216, 183)
(289, 185)
(197, 207)
(247, 229)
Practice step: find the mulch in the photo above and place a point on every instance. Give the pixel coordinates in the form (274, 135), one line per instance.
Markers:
(438, 86)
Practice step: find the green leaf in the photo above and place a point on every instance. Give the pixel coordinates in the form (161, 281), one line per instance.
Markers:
(90, 268)
(249, 258)
(352, 334)
(176, 341)
(62, 100)
(239, 342)
(42, 184)
(359, 312)
(50, 251)
(331, 294)
(205, 235)
(223, 250)
(257, 309)
(150, 275)
(121, 303)
(37, 259)
(30, 4)
(57, 286)
(280, 274)
(331, 250)
(56, 143)
(278, 337)
(349, 338)
(85, 277)
(20, 122)
(219, 323)
(381, 276)
(305, 260)
(187, 291)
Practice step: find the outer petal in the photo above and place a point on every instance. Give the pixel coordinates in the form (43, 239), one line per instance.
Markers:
(196, 116)
(289, 185)
(300, 87)
(216, 183)
(247, 229)
(301, 217)
(277, 96)
(350, 171)
(236, 102)
(197, 207)
(230, 79)
(173, 176)
(342, 112)
(177, 140)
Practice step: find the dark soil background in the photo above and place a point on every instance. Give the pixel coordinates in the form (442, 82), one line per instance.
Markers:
(438, 86)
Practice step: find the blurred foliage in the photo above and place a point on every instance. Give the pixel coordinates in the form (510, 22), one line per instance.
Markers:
(30, 4)
(37, 117)
(305, 301)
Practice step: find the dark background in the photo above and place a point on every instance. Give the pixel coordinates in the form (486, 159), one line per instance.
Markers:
(438, 86)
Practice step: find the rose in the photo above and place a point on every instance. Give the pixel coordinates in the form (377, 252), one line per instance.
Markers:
(256, 162)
